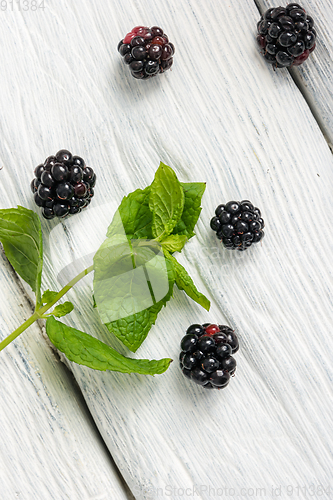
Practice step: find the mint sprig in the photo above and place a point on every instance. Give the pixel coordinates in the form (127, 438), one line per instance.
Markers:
(165, 213)
(134, 271)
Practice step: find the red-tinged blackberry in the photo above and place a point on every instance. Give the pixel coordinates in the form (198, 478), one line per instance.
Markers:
(63, 185)
(211, 329)
(238, 224)
(147, 51)
(206, 354)
(286, 35)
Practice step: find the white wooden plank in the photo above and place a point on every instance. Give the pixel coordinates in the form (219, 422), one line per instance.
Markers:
(221, 116)
(49, 446)
(314, 77)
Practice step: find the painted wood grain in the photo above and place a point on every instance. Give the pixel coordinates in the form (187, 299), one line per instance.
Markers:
(49, 446)
(221, 116)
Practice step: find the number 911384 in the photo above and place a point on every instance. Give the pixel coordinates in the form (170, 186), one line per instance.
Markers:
(22, 5)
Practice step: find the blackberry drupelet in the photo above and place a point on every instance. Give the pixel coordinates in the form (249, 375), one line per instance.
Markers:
(147, 51)
(286, 35)
(63, 185)
(206, 354)
(238, 224)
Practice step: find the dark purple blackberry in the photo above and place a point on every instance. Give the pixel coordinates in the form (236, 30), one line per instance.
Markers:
(147, 51)
(63, 185)
(238, 224)
(206, 354)
(286, 35)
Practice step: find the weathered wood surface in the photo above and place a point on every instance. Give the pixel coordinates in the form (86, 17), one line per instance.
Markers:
(222, 116)
(49, 446)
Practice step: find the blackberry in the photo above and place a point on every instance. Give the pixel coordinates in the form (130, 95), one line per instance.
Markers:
(206, 354)
(286, 35)
(147, 51)
(63, 185)
(238, 224)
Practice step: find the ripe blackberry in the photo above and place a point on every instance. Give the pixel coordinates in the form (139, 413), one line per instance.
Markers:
(286, 35)
(63, 185)
(238, 224)
(147, 51)
(206, 354)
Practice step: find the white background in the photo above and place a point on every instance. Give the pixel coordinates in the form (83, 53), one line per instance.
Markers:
(222, 116)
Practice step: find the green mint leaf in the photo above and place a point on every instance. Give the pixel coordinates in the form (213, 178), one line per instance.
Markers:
(174, 242)
(21, 237)
(132, 282)
(126, 273)
(133, 329)
(48, 296)
(193, 192)
(185, 282)
(166, 201)
(89, 351)
(133, 216)
(62, 309)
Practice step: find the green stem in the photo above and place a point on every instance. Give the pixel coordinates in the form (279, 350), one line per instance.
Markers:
(39, 313)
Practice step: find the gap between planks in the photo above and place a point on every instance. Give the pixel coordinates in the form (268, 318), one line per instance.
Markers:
(17, 280)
